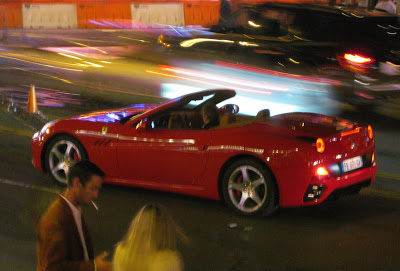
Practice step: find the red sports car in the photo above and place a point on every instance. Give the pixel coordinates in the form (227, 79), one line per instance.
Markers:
(254, 163)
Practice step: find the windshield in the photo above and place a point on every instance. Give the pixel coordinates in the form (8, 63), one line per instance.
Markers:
(130, 117)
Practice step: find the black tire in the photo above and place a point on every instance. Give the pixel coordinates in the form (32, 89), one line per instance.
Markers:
(253, 195)
(61, 153)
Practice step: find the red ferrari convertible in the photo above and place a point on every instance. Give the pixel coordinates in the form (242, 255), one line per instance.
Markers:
(254, 163)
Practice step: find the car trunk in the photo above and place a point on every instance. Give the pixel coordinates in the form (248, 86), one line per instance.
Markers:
(312, 125)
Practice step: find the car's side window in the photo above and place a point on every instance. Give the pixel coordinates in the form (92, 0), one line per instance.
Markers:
(271, 23)
(283, 18)
(177, 120)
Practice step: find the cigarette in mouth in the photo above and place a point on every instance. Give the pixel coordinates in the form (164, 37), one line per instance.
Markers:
(95, 205)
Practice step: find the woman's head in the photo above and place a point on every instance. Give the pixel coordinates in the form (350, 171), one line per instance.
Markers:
(152, 230)
(155, 224)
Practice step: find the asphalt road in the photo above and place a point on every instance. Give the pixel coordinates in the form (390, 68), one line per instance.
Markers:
(355, 233)
(359, 232)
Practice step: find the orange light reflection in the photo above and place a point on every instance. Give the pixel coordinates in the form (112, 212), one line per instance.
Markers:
(355, 131)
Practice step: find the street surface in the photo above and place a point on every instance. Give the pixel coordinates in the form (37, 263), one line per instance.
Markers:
(354, 233)
(361, 232)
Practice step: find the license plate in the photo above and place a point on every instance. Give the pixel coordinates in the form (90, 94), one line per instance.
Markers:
(389, 68)
(352, 164)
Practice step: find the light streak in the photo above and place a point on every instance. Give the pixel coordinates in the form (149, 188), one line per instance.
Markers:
(68, 51)
(122, 37)
(110, 23)
(191, 42)
(223, 79)
(207, 82)
(306, 78)
(94, 64)
(84, 45)
(254, 24)
(75, 57)
(44, 65)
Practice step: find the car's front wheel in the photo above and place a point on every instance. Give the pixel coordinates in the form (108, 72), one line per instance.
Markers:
(63, 152)
(249, 188)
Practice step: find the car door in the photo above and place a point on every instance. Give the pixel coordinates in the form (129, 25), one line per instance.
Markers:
(162, 155)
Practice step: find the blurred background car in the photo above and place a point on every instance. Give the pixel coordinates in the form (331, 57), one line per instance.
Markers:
(351, 52)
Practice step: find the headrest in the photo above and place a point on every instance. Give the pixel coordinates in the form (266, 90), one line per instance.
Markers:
(263, 114)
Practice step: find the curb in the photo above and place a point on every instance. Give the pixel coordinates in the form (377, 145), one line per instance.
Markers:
(33, 121)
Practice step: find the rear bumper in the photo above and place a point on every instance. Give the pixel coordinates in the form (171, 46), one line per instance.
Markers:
(334, 186)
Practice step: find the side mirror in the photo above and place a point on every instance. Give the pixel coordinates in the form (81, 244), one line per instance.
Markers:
(142, 125)
(229, 108)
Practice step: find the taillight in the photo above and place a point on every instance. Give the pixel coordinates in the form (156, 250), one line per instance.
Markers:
(359, 59)
(370, 132)
(351, 132)
(320, 145)
(321, 171)
(359, 63)
(373, 158)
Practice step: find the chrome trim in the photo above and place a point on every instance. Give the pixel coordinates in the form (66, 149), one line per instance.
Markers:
(93, 133)
(236, 148)
(157, 140)
(135, 138)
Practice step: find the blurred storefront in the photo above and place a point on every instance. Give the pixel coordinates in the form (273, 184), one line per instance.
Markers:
(71, 14)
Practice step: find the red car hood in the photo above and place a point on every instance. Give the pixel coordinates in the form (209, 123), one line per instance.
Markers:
(311, 124)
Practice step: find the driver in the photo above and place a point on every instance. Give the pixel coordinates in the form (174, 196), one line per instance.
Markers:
(210, 115)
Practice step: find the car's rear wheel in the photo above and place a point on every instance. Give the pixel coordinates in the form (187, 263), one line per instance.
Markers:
(63, 152)
(249, 188)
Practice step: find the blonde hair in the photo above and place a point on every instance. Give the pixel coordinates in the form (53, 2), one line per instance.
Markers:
(152, 230)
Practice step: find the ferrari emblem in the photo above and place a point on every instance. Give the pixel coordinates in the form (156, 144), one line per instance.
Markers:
(104, 130)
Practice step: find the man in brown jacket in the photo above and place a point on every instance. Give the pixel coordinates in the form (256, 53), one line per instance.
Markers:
(64, 243)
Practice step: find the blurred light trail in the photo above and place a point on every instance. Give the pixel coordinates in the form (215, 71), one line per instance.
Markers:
(110, 23)
(311, 79)
(208, 83)
(176, 31)
(65, 50)
(113, 52)
(75, 57)
(94, 64)
(224, 79)
(20, 58)
(191, 42)
(140, 40)
(84, 45)
(95, 22)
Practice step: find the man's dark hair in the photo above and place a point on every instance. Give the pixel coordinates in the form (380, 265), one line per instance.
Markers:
(84, 170)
